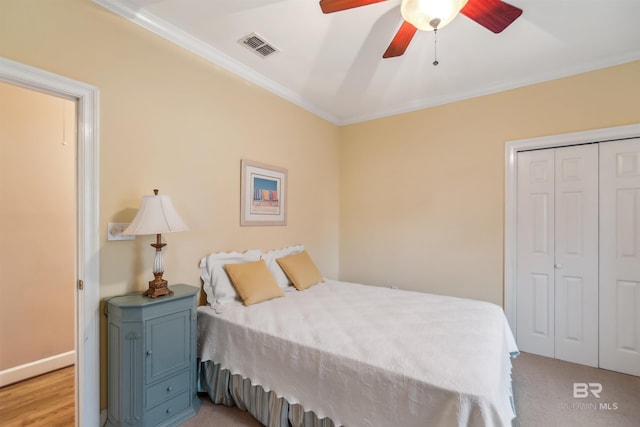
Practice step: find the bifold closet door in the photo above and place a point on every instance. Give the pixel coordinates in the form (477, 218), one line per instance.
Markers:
(557, 265)
(620, 256)
(535, 293)
(576, 254)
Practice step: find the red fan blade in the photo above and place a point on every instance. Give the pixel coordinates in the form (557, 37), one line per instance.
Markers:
(495, 15)
(329, 6)
(401, 40)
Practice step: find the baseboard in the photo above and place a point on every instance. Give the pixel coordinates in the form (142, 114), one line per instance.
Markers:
(39, 367)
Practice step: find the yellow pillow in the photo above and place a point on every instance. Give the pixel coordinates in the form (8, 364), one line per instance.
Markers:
(301, 270)
(253, 281)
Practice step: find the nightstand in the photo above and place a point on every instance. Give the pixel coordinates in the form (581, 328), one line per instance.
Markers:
(152, 359)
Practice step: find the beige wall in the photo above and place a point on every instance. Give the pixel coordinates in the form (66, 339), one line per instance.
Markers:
(173, 121)
(37, 219)
(422, 194)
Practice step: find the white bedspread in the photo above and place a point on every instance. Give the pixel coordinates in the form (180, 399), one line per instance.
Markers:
(370, 356)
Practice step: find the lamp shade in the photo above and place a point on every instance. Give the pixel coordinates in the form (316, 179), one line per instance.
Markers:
(427, 15)
(156, 216)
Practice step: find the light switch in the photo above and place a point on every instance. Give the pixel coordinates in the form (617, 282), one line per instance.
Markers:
(115, 229)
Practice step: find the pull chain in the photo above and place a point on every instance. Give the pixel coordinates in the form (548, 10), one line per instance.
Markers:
(434, 24)
(435, 47)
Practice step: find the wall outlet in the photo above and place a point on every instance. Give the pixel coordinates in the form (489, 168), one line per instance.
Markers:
(115, 229)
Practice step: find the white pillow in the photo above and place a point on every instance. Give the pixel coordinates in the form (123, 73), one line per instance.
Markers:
(270, 258)
(217, 285)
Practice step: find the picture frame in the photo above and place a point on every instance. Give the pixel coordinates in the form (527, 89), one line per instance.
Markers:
(263, 194)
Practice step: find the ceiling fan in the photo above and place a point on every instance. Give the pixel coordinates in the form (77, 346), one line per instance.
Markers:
(431, 15)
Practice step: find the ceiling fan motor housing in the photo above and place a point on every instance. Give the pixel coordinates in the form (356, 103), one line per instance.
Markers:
(427, 15)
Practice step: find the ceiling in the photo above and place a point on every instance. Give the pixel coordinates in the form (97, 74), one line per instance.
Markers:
(331, 64)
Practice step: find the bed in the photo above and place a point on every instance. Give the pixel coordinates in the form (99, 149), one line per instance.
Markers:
(340, 353)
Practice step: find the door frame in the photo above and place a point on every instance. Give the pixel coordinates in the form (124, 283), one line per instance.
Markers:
(87, 299)
(511, 194)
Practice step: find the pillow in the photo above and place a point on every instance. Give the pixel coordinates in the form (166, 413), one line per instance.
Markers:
(253, 281)
(217, 285)
(301, 270)
(270, 258)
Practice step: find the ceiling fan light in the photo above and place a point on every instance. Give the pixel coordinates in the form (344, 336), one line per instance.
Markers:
(421, 13)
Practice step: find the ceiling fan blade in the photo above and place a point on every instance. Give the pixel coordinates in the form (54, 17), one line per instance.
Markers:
(401, 40)
(330, 6)
(495, 15)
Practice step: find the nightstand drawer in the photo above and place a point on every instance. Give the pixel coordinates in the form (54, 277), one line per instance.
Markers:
(167, 389)
(167, 409)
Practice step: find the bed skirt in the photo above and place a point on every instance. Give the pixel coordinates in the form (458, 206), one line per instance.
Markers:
(229, 389)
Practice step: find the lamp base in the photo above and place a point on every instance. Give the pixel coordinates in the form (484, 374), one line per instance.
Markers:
(157, 287)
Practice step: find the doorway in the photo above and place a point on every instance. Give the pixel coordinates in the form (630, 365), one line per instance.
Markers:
(37, 250)
(86, 335)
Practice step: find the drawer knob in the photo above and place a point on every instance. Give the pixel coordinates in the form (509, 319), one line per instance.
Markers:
(169, 388)
(149, 352)
(168, 410)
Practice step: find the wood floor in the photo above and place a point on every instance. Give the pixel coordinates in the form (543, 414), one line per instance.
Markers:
(47, 400)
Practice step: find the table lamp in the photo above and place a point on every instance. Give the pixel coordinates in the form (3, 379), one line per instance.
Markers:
(156, 216)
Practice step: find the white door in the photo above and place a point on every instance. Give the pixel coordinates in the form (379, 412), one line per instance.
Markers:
(620, 256)
(576, 254)
(535, 300)
(557, 266)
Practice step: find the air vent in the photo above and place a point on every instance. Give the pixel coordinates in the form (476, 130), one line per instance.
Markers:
(258, 45)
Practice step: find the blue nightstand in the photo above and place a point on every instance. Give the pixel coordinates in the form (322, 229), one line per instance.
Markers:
(152, 359)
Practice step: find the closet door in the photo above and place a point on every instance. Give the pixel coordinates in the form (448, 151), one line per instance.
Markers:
(535, 302)
(557, 266)
(576, 254)
(620, 256)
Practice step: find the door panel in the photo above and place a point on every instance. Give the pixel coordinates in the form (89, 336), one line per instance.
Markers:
(535, 292)
(627, 233)
(572, 289)
(620, 256)
(541, 287)
(576, 254)
(167, 345)
(541, 227)
(627, 331)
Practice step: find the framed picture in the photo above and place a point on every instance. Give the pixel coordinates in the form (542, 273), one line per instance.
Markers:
(263, 194)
